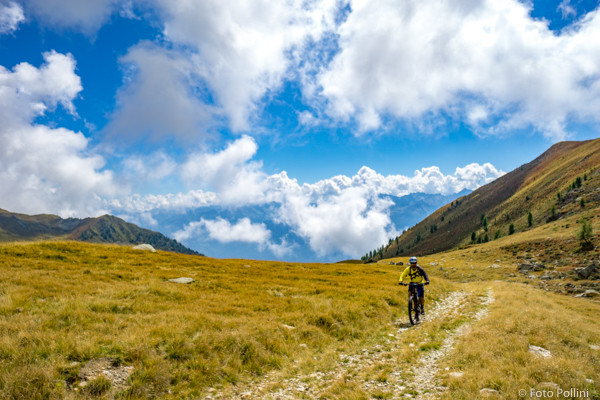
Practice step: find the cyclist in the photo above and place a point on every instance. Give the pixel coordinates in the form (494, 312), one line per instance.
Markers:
(416, 275)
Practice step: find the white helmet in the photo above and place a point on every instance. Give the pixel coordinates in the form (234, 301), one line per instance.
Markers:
(413, 260)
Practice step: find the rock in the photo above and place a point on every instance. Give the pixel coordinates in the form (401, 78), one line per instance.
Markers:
(487, 392)
(182, 280)
(594, 347)
(526, 268)
(144, 246)
(589, 272)
(539, 351)
(456, 374)
(118, 375)
(400, 263)
(588, 293)
(288, 327)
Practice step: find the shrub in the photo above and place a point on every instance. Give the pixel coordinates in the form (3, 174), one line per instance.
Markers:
(585, 234)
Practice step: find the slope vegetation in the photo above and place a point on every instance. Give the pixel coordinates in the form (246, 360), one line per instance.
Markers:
(563, 181)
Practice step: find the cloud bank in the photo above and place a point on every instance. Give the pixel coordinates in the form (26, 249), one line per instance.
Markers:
(337, 215)
(44, 169)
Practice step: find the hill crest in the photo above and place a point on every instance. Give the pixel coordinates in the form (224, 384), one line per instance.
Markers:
(104, 229)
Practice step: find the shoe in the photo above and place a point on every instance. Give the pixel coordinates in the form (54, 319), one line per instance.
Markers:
(422, 312)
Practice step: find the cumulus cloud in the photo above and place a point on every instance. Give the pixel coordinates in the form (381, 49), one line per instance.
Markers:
(11, 15)
(230, 172)
(342, 214)
(44, 169)
(87, 16)
(243, 47)
(224, 231)
(158, 99)
(346, 223)
(487, 62)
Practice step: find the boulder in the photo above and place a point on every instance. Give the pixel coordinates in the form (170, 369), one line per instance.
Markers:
(589, 272)
(539, 351)
(526, 268)
(145, 246)
(588, 293)
(182, 280)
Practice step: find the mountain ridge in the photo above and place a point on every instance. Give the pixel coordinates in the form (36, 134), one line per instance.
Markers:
(103, 229)
(559, 182)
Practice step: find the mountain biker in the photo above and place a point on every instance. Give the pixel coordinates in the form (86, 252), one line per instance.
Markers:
(416, 275)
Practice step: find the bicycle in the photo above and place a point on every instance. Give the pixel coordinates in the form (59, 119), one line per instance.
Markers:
(414, 306)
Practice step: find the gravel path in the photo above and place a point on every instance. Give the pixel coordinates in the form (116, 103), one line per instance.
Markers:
(421, 382)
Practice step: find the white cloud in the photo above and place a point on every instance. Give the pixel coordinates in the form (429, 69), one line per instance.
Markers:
(11, 15)
(346, 223)
(157, 99)
(152, 167)
(224, 231)
(44, 169)
(567, 10)
(88, 15)
(488, 62)
(230, 172)
(178, 202)
(242, 50)
(340, 214)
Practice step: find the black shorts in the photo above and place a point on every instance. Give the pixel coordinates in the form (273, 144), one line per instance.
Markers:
(420, 291)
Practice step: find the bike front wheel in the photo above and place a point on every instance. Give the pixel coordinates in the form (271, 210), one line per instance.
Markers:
(413, 310)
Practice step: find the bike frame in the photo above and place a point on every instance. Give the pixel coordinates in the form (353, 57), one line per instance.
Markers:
(414, 306)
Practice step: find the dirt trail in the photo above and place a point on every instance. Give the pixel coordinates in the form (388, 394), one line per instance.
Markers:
(421, 382)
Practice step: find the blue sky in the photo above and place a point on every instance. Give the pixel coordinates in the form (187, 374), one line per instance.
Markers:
(134, 107)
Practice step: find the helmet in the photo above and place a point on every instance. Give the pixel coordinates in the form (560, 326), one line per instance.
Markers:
(413, 260)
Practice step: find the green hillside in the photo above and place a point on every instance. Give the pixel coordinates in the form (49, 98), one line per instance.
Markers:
(104, 229)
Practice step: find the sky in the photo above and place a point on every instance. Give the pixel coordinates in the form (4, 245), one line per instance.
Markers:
(313, 109)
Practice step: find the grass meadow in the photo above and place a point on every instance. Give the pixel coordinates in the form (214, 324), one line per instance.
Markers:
(64, 304)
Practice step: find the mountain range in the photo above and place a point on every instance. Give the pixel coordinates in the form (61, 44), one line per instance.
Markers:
(104, 229)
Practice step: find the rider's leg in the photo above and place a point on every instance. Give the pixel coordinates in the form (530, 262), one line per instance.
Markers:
(422, 299)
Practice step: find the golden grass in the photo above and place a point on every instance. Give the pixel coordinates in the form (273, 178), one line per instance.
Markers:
(65, 303)
(495, 352)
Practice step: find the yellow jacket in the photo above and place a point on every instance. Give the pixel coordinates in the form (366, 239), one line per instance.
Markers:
(417, 276)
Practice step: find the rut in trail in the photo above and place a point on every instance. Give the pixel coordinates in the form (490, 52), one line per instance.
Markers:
(421, 381)
(425, 382)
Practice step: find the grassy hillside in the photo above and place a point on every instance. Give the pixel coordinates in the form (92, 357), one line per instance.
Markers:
(252, 329)
(563, 181)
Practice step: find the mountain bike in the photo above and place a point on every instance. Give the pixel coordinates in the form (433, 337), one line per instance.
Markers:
(414, 307)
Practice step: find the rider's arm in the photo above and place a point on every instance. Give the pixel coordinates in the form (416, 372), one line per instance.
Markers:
(424, 275)
(404, 274)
